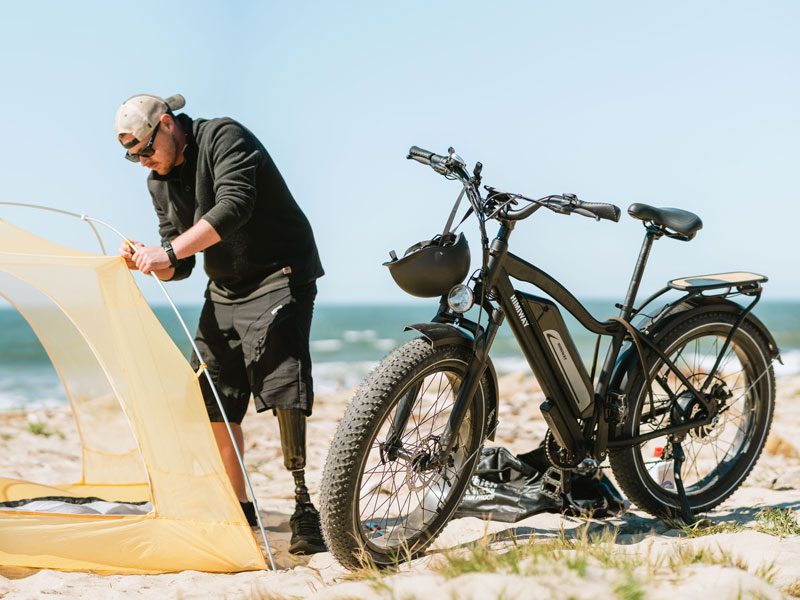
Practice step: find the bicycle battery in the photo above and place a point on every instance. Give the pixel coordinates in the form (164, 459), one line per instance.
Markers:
(548, 328)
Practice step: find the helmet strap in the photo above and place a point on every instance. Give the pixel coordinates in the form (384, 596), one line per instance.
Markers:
(453, 216)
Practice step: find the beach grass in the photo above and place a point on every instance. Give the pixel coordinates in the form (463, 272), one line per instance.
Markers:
(587, 555)
(793, 589)
(704, 527)
(777, 522)
(41, 428)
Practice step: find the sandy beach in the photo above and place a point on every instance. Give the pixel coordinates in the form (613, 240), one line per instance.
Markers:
(638, 556)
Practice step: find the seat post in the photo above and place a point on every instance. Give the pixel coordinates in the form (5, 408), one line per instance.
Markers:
(653, 233)
(638, 271)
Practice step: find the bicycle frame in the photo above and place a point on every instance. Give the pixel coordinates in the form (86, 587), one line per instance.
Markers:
(575, 412)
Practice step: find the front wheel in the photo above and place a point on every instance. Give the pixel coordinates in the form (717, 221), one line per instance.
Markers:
(382, 499)
(718, 456)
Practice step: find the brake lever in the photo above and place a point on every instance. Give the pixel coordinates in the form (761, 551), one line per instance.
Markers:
(557, 207)
(586, 213)
(455, 159)
(572, 199)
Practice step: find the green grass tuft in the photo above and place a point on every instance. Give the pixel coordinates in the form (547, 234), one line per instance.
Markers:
(583, 554)
(629, 588)
(41, 428)
(701, 529)
(777, 522)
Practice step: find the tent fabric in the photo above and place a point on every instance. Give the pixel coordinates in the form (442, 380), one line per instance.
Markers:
(144, 431)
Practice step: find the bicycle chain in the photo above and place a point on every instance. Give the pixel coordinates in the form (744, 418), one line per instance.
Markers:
(548, 440)
(601, 467)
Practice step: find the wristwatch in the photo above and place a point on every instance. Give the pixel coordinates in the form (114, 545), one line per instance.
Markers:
(173, 260)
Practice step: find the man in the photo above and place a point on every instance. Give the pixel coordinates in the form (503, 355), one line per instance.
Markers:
(216, 190)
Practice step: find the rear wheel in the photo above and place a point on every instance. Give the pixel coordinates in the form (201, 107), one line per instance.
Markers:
(718, 456)
(382, 500)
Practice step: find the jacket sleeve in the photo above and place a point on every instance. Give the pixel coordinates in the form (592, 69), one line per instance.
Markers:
(235, 158)
(168, 232)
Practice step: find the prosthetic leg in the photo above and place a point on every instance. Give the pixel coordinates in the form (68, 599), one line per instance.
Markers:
(306, 532)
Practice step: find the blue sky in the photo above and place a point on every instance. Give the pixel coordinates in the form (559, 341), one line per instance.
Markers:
(685, 104)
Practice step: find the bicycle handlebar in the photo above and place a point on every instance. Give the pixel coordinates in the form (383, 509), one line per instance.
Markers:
(420, 155)
(565, 204)
(599, 210)
(568, 203)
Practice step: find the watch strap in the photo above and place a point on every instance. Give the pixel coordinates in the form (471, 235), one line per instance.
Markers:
(173, 260)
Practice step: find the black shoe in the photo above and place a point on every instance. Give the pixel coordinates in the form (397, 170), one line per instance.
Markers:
(250, 513)
(306, 532)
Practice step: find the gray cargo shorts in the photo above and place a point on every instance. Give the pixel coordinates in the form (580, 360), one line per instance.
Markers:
(258, 347)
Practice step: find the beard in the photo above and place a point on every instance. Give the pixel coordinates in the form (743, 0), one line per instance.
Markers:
(169, 157)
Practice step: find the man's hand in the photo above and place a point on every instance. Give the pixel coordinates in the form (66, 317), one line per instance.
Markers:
(126, 252)
(151, 258)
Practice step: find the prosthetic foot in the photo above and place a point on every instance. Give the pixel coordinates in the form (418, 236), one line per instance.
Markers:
(306, 531)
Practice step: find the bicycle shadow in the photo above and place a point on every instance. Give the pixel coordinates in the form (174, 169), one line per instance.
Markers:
(626, 529)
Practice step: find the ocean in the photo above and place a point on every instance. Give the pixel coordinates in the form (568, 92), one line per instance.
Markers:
(346, 342)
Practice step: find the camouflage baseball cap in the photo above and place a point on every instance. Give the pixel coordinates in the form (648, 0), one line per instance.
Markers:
(139, 115)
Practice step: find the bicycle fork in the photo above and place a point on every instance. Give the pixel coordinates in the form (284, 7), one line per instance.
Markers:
(393, 448)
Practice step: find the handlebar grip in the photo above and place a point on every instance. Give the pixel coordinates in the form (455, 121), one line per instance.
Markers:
(420, 155)
(602, 210)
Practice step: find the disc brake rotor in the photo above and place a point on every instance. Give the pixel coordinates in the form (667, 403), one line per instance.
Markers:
(419, 471)
(706, 434)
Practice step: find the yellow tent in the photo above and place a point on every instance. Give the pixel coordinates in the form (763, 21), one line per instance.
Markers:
(144, 431)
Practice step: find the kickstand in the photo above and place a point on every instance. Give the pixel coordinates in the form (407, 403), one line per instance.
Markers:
(679, 457)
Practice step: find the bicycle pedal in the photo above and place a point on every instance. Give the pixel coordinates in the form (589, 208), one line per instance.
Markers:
(553, 483)
(586, 466)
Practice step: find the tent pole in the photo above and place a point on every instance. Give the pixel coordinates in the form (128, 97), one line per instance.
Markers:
(85, 218)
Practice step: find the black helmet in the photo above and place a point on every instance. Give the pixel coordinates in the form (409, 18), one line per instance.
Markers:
(432, 267)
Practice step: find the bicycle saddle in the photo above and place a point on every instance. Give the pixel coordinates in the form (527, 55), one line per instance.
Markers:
(679, 221)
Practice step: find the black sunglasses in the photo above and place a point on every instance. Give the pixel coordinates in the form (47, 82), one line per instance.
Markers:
(147, 151)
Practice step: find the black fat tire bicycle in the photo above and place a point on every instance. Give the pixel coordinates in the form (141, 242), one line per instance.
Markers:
(681, 406)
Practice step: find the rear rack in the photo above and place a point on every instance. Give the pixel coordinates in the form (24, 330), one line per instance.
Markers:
(743, 281)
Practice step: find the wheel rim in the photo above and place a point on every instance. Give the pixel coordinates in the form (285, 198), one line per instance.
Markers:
(401, 499)
(712, 453)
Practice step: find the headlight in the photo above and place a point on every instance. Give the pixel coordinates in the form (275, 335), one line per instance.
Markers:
(460, 298)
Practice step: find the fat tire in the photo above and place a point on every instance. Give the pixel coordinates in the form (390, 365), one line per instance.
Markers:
(352, 442)
(627, 462)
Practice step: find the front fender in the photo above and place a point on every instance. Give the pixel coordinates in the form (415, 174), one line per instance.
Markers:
(441, 334)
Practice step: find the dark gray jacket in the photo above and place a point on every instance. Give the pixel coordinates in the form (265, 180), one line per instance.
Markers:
(229, 179)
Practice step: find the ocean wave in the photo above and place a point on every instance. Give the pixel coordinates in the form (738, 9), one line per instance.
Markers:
(21, 400)
(364, 335)
(385, 344)
(510, 364)
(42, 389)
(337, 376)
(326, 345)
(790, 366)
